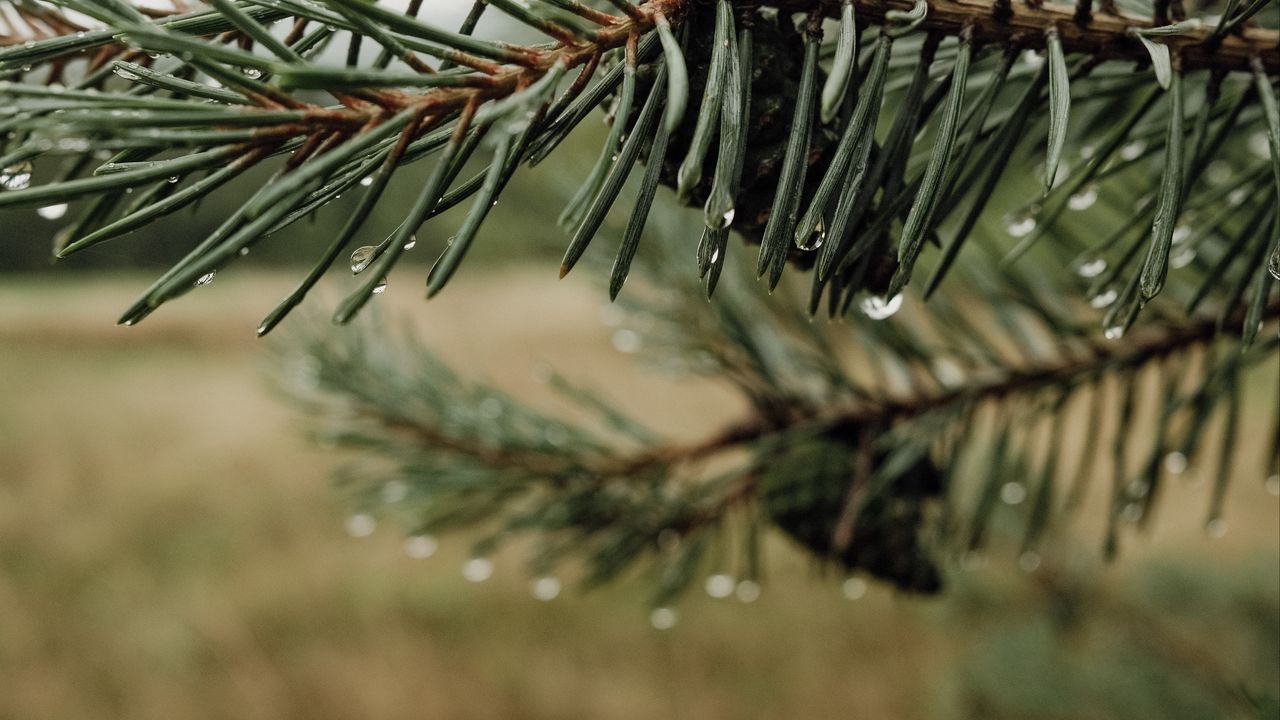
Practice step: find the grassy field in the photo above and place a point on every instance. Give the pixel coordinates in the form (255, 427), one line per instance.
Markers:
(170, 547)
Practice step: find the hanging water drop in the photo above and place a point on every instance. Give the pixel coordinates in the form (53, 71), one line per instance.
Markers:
(381, 287)
(1133, 150)
(206, 278)
(878, 308)
(1084, 199)
(748, 591)
(1019, 225)
(814, 239)
(126, 74)
(173, 179)
(1175, 463)
(252, 73)
(1114, 332)
(413, 240)
(626, 341)
(361, 257)
(1104, 298)
(854, 588)
(1091, 267)
(477, 569)
(545, 588)
(1259, 145)
(1182, 258)
(663, 618)
(1013, 493)
(52, 212)
(719, 585)
(1237, 196)
(420, 547)
(361, 525)
(366, 181)
(16, 176)
(1029, 561)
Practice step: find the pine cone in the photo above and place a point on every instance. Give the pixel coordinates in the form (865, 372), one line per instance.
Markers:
(806, 490)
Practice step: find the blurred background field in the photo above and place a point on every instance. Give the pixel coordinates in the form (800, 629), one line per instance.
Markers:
(171, 547)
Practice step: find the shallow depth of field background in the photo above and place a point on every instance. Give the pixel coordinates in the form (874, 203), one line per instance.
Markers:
(172, 547)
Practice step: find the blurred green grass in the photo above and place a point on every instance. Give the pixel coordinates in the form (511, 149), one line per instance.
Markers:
(170, 547)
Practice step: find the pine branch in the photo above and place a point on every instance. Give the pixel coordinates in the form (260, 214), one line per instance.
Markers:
(483, 88)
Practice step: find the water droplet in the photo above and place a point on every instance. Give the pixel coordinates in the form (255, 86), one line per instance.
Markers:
(1029, 561)
(727, 218)
(1032, 58)
(715, 255)
(173, 179)
(361, 257)
(52, 212)
(1218, 172)
(1216, 527)
(1133, 150)
(626, 341)
(1114, 332)
(125, 73)
(366, 181)
(1019, 225)
(545, 588)
(1182, 258)
(878, 308)
(490, 408)
(242, 251)
(1175, 463)
(206, 278)
(420, 547)
(381, 287)
(555, 435)
(413, 241)
(1084, 199)
(948, 372)
(1087, 151)
(1273, 484)
(748, 591)
(719, 585)
(854, 588)
(252, 73)
(1180, 234)
(814, 239)
(361, 525)
(1104, 298)
(1091, 267)
(1013, 493)
(1237, 196)
(16, 176)
(394, 491)
(1273, 265)
(1259, 145)
(477, 569)
(663, 618)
